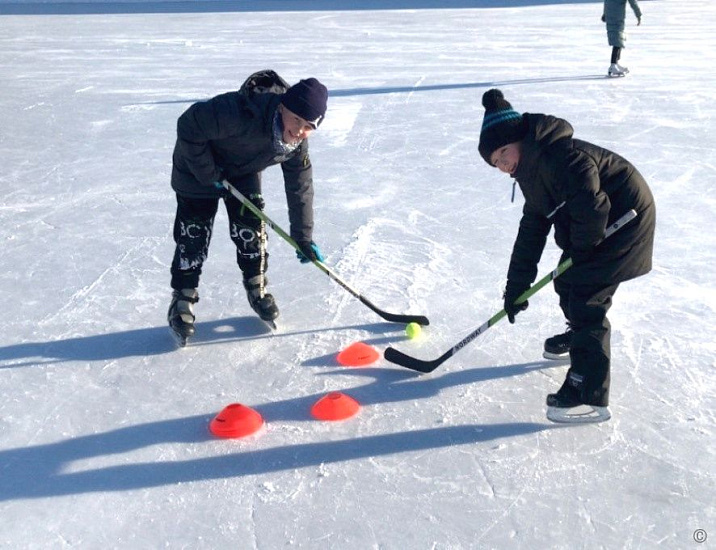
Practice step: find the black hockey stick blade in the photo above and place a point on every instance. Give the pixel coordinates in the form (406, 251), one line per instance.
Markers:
(395, 317)
(399, 358)
(405, 319)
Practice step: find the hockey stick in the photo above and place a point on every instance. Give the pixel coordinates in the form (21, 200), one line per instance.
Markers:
(399, 358)
(392, 317)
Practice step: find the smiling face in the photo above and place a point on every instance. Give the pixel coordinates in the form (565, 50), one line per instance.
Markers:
(506, 158)
(295, 129)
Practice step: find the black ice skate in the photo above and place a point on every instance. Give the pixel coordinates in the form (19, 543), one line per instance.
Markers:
(181, 314)
(263, 304)
(567, 406)
(557, 347)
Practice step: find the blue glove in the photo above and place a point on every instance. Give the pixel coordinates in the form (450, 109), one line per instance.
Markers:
(219, 185)
(309, 252)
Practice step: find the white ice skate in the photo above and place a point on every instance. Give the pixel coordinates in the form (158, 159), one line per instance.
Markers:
(616, 70)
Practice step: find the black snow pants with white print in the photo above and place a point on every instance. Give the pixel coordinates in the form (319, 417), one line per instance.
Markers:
(193, 227)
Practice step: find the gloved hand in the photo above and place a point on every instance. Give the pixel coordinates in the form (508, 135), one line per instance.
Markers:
(219, 185)
(512, 291)
(257, 199)
(309, 252)
(638, 21)
(604, 18)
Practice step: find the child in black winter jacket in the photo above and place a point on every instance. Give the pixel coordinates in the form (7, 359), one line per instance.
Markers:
(579, 189)
(234, 137)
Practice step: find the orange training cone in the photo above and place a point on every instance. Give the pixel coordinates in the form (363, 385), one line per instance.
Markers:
(335, 406)
(236, 420)
(358, 355)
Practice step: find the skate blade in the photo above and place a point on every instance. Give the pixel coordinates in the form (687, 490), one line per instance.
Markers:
(582, 414)
(561, 357)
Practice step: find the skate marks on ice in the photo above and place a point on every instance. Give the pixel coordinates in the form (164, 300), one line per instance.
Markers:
(385, 261)
(337, 128)
(394, 265)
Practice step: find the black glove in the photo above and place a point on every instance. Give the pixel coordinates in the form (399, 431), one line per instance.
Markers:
(512, 291)
(604, 18)
(258, 200)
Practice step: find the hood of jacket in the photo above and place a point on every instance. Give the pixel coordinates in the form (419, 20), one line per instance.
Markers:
(543, 132)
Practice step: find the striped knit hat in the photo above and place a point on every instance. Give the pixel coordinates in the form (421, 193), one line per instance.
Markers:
(501, 125)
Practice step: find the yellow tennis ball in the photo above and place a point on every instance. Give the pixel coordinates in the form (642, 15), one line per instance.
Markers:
(413, 330)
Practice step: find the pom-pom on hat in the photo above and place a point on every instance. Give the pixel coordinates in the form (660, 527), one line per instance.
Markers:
(308, 99)
(501, 125)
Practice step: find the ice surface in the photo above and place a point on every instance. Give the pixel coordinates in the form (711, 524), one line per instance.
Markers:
(104, 439)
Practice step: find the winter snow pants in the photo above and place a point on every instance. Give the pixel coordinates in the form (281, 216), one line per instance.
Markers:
(585, 307)
(193, 226)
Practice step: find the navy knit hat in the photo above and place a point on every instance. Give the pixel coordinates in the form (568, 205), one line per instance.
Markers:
(501, 125)
(308, 99)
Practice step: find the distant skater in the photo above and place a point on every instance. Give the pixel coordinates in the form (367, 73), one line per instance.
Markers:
(614, 15)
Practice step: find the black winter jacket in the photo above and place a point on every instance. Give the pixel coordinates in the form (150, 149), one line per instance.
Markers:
(231, 137)
(579, 188)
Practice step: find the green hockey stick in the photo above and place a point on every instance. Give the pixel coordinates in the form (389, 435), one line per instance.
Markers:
(399, 358)
(392, 317)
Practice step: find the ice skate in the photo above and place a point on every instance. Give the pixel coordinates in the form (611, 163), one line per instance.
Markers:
(263, 304)
(181, 314)
(616, 70)
(557, 347)
(567, 407)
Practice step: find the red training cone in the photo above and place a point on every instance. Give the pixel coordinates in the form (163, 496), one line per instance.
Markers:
(335, 406)
(358, 355)
(236, 420)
